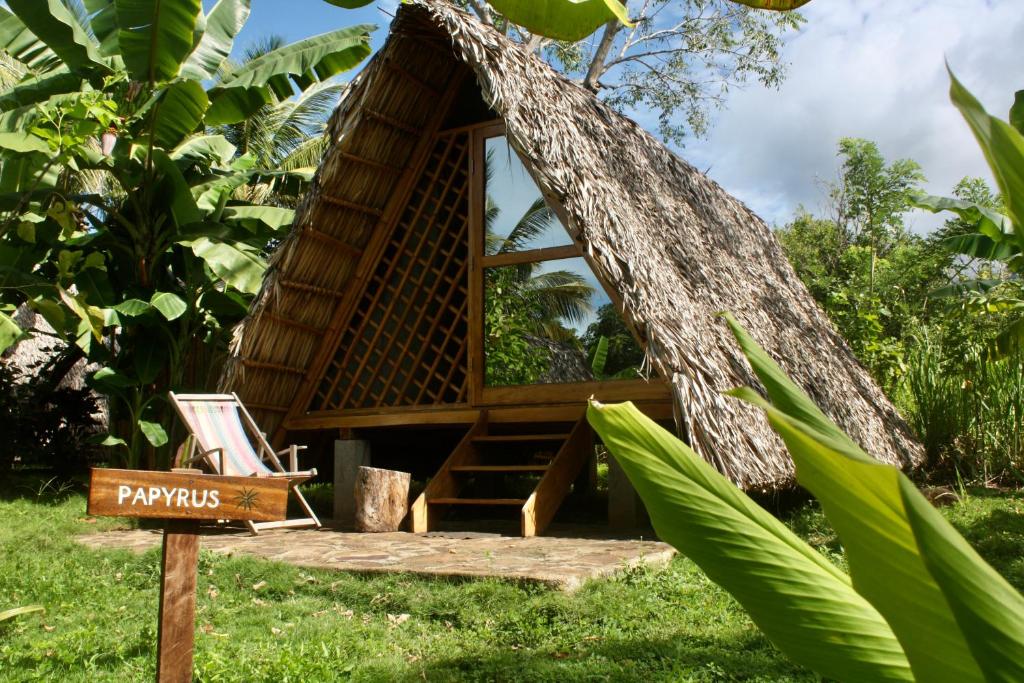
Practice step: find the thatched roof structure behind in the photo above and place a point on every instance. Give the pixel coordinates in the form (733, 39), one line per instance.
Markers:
(673, 245)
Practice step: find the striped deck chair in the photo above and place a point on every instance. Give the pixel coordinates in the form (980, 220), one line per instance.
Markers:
(222, 434)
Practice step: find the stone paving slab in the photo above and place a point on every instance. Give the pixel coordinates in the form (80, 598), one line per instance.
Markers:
(560, 562)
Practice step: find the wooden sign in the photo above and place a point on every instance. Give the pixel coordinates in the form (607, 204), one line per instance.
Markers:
(183, 497)
(186, 495)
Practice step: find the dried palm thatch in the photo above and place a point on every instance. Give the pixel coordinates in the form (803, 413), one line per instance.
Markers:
(673, 245)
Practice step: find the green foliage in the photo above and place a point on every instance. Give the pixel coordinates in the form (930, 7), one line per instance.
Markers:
(509, 323)
(966, 407)
(123, 225)
(566, 20)
(870, 275)
(951, 615)
(623, 356)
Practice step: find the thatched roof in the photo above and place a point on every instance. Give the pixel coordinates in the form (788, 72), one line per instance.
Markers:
(673, 244)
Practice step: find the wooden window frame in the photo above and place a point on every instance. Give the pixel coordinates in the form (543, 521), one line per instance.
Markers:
(526, 394)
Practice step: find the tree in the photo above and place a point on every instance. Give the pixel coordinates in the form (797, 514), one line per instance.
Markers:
(871, 196)
(863, 267)
(148, 278)
(678, 59)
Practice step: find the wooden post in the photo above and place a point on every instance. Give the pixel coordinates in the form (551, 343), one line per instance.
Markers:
(177, 601)
(183, 497)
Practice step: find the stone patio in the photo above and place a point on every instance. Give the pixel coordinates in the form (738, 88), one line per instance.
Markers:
(564, 561)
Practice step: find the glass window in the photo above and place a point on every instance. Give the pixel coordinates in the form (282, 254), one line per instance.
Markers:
(516, 216)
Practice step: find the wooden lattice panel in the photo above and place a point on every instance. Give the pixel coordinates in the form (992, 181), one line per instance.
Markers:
(405, 342)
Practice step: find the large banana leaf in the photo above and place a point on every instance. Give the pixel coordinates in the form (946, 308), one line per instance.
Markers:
(321, 56)
(179, 113)
(236, 263)
(155, 36)
(223, 23)
(57, 27)
(988, 220)
(23, 45)
(803, 603)
(1003, 146)
(955, 617)
(568, 20)
(40, 88)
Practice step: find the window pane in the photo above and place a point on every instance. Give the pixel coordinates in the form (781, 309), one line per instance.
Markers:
(516, 218)
(544, 321)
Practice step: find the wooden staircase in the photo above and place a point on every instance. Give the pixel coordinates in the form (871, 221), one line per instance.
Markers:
(476, 456)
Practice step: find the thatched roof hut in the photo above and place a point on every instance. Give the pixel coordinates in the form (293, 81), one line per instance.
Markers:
(671, 247)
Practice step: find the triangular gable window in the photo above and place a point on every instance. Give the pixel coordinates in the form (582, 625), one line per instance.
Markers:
(546, 318)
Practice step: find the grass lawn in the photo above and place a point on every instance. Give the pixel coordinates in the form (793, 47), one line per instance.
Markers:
(302, 625)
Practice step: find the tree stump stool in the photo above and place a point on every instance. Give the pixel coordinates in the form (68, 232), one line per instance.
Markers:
(381, 499)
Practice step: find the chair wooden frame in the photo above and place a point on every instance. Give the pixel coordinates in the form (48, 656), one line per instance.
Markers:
(189, 454)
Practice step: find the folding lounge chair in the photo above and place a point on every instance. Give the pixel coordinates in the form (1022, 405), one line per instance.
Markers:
(217, 424)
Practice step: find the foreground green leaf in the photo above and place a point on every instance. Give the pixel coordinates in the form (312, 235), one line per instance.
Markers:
(170, 305)
(568, 20)
(154, 433)
(941, 621)
(802, 602)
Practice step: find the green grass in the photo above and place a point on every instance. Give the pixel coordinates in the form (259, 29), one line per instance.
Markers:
(303, 625)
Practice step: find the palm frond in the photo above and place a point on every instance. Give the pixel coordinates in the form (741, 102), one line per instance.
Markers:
(537, 220)
(307, 154)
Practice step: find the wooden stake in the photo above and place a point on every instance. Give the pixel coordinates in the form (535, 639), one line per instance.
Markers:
(178, 567)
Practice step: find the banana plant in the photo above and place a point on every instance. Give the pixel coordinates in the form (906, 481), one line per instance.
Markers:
(999, 235)
(121, 222)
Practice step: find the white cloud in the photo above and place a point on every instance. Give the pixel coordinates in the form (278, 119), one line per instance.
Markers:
(871, 69)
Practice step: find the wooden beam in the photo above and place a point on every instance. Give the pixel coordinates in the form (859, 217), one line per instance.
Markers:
(338, 245)
(316, 331)
(454, 415)
(277, 367)
(353, 206)
(398, 69)
(310, 289)
(392, 122)
(373, 163)
(267, 407)
(577, 392)
(530, 256)
(177, 621)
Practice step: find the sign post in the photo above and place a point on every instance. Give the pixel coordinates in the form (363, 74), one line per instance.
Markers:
(183, 497)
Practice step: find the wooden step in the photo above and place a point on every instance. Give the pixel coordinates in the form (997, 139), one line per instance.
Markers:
(519, 502)
(511, 469)
(519, 438)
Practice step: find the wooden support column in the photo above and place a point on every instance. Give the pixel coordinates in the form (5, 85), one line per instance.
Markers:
(177, 601)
